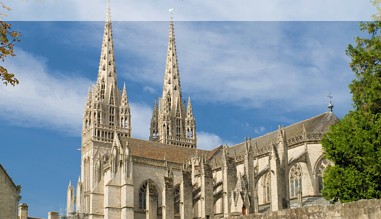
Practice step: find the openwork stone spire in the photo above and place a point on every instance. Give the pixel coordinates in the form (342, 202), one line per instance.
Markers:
(107, 107)
(106, 117)
(172, 85)
(170, 122)
(107, 68)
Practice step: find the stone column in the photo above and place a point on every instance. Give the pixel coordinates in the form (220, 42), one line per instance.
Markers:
(186, 196)
(249, 172)
(53, 215)
(207, 201)
(23, 211)
(127, 188)
(168, 199)
(147, 201)
(256, 207)
(300, 200)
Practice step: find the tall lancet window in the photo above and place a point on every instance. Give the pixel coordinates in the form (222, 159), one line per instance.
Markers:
(112, 102)
(178, 128)
(176, 197)
(143, 194)
(103, 87)
(321, 167)
(112, 116)
(295, 176)
(266, 188)
(124, 122)
(99, 115)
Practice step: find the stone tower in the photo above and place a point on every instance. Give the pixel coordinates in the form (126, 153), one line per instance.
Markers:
(171, 122)
(106, 116)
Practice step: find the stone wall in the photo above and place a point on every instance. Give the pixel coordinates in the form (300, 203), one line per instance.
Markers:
(9, 196)
(363, 209)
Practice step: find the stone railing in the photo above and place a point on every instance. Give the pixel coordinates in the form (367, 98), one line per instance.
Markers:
(370, 209)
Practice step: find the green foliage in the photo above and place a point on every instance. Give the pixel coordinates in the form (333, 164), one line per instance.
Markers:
(376, 4)
(354, 143)
(7, 40)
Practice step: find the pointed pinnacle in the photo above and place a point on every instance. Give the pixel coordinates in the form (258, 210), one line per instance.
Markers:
(124, 95)
(189, 109)
(108, 12)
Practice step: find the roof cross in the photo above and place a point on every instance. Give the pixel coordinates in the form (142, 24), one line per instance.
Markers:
(330, 106)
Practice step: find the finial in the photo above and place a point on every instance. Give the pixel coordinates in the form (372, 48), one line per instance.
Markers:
(330, 105)
(108, 12)
(171, 11)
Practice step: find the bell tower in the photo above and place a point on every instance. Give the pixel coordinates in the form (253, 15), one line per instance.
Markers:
(171, 122)
(106, 117)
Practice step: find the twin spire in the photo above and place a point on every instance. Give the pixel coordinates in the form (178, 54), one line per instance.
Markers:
(107, 107)
(108, 12)
(171, 122)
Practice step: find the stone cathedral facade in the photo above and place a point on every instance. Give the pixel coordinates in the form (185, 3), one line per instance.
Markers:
(167, 176)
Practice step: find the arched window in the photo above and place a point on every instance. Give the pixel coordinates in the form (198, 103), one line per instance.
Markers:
(103, 86)
(321, 167)
(176, 197)
(178, 127)
(266, 188)
(295, 176)
(143, 193)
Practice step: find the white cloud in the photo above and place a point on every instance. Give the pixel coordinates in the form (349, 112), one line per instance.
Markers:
(149, 89)
(43, 98)
(259, 130)
(141, 120)
(49, 99)
(248, 64)
(208, 141)
(193, 10)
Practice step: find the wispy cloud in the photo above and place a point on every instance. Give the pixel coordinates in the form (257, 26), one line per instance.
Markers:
(141, 120)
(208, 141)
(194, 10)
(46, 98)
(259, 130)
(248, 64)
(149, 89)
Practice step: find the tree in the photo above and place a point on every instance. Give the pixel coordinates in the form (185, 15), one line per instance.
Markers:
(376, 4)
(354, 143)
(7, 40)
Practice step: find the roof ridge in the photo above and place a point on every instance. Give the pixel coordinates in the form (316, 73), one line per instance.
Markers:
(314, 117)
(293, 124)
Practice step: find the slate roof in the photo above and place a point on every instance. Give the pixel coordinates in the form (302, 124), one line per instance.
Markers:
(157, 151)
(177, 154)
(314, 125)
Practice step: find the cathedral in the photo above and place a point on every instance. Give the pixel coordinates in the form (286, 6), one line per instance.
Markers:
(167, 176)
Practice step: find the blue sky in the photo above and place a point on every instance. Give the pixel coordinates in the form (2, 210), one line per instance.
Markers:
(245, 77)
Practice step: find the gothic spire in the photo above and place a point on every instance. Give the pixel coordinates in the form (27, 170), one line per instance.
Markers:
(171, 76)
(124, 96)
(107, 70)
(108, 12)
(170, 122)
(189, 108)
